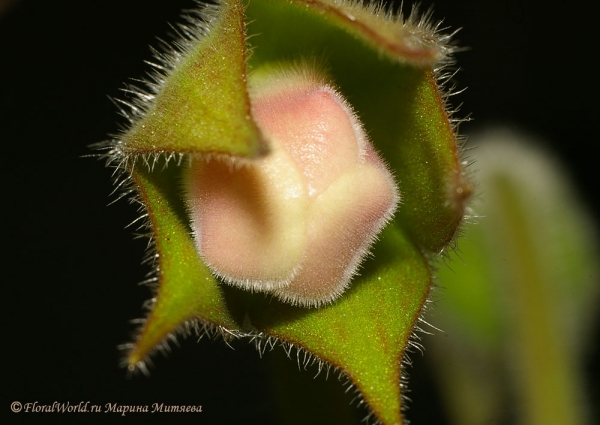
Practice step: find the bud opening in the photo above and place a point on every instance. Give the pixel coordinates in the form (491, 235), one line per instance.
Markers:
(298, 221)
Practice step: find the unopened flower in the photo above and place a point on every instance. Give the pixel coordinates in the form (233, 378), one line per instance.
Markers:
(297, 221)
(283, 193)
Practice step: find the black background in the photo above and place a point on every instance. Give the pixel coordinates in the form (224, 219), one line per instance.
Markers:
(70, 270)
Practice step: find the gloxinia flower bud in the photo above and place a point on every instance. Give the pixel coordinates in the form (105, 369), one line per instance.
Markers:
(298, 221)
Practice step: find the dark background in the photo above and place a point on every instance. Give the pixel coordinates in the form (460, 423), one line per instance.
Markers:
(69, 268)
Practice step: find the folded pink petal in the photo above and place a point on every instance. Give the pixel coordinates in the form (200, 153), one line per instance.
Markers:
(299, 221)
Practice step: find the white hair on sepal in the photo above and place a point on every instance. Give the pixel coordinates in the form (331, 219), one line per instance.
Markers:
(305, 360)
(141, 95)
(194, 327)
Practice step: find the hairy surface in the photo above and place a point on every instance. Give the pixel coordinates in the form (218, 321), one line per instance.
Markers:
(298, 221)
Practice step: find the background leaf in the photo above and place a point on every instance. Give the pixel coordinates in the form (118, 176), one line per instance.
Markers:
(518, 304)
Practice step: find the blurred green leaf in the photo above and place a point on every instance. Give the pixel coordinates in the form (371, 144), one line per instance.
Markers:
(518, 303)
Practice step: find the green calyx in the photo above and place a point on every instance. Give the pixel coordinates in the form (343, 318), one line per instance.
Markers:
(201, 107)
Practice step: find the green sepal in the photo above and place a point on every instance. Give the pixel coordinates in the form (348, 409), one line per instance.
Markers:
(187, 291)
(203, 104)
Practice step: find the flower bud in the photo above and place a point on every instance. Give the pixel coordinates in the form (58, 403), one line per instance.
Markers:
(298, 221)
